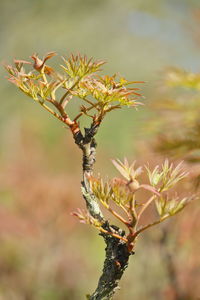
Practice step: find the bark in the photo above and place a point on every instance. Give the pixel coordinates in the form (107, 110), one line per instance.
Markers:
(116, 251)
(115, 263)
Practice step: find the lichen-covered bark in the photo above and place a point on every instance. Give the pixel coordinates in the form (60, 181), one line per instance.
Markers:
(117, 254)
(115, 263)
(88, 145)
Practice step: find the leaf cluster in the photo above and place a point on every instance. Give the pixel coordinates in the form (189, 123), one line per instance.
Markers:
(166, 177)
(99, 94)
(122, 193)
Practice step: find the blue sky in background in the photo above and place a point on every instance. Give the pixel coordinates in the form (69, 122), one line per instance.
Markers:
(172, 31)
(149, 26)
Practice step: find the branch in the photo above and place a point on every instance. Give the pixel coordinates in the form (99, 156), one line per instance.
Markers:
(51, 111)
(150, 225)
(68, 91)
(88, 145)
(117, 251)
(116, 261)
(85, 112)
(63, 117)
(143, 209)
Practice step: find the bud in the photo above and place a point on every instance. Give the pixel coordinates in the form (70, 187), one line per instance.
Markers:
(133, 185)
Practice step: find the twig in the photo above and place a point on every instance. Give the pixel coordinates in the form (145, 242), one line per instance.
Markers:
(150, 225)
(144, 208)
(68, 91)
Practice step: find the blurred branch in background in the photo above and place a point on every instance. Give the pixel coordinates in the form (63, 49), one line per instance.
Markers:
(179, 107)
(177, 127)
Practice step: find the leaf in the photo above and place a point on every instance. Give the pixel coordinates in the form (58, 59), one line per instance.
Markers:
(21, 61)
(86, 218)
(121, 168)
(80, 66)
(150, 188)
(167, 177)
(49, 55)
(126, 170)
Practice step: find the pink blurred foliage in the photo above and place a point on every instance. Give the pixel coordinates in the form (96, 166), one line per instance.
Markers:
(37, 233)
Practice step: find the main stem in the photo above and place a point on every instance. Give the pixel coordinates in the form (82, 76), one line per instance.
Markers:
(117, 254)
(116, 261)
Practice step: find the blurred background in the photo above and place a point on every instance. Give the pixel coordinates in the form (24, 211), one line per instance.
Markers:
(45, 254)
